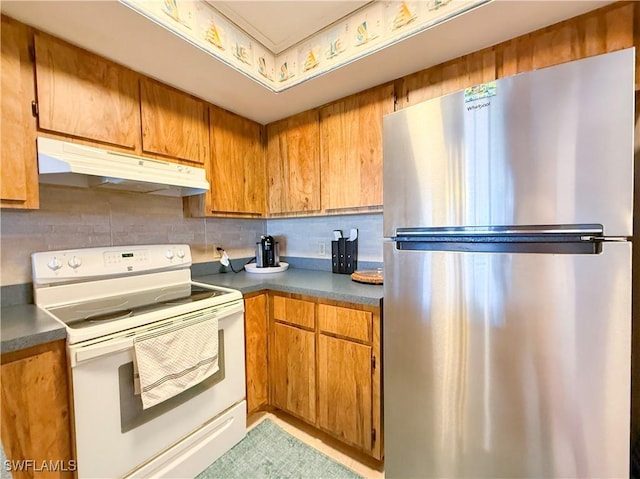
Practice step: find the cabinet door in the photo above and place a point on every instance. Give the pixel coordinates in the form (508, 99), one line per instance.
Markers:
(255, 320)
(174, 124)
(84, 95)
(292, 363)
(293, 164)
(345, 390)
(351, 149)
(35, 409)
(237, 164)
(19, 168)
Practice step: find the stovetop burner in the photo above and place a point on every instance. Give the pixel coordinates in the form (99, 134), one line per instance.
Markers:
(88, 313)
(197, 294)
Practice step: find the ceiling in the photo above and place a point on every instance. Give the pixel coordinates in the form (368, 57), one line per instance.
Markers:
(279, 25)
(114, 31)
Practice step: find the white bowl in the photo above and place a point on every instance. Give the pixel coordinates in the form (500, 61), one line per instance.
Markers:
(252, 268)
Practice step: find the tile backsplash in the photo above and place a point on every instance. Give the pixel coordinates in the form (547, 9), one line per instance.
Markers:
(81, 218)
(301, 237)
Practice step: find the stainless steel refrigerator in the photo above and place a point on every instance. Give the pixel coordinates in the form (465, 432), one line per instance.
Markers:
(507, 295)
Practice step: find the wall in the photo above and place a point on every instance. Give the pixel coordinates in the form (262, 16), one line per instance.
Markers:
(78, 218)
(299, 237)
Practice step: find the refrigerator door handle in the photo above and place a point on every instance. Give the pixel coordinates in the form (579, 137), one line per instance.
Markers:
(559, 239)
(574, 231)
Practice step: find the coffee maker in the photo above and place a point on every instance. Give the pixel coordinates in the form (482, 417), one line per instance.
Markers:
(267, 252)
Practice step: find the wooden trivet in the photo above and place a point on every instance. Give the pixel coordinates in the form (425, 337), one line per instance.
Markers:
(368, 276)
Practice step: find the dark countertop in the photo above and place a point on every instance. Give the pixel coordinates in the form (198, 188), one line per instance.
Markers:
(27, 325)
(321, 284)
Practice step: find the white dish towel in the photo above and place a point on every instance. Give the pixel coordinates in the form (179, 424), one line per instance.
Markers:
(171, 361)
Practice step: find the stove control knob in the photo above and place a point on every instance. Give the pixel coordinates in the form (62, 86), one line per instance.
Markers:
(54, 264)
(180, 253)
(75, 262)
(169, 254)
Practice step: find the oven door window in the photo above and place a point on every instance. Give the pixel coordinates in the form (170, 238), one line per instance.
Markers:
(131, 413)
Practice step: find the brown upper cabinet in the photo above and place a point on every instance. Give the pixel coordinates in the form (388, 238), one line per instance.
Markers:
(18, 168)
(351, 149)
(293, 164)
(174, 124)
(236, 168)
(86, 96)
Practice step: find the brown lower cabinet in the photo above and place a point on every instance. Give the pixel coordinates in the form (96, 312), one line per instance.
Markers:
(345, 390)
(36, 428)
(255, 337)
(323, 362)
(292, 357)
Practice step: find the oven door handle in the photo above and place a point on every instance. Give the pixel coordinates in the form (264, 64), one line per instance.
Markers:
(84, 353)
(120, 342)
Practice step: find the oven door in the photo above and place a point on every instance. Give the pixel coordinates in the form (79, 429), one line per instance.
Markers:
(113, 434)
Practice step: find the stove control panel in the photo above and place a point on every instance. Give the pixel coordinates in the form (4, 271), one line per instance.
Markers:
(70, 265)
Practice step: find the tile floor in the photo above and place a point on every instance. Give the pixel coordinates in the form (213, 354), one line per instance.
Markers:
(311, 437)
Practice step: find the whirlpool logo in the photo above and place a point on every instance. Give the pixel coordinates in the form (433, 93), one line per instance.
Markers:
(478, 106)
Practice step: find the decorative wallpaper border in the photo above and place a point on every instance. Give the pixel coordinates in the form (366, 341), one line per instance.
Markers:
(377, 25)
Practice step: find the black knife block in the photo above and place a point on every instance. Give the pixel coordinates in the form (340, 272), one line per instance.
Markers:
(344, 256)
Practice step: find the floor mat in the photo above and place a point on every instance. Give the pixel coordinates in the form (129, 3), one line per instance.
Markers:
(269, 452)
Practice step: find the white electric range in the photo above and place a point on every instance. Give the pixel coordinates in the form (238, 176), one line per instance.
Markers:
(106, 297)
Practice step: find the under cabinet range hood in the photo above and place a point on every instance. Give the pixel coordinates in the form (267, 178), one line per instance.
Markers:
(69, 164)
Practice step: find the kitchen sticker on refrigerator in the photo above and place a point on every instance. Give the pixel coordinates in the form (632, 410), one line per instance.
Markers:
(478, 92)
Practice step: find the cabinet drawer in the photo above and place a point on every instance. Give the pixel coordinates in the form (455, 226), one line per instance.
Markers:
(294, 311)
(350, 323)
